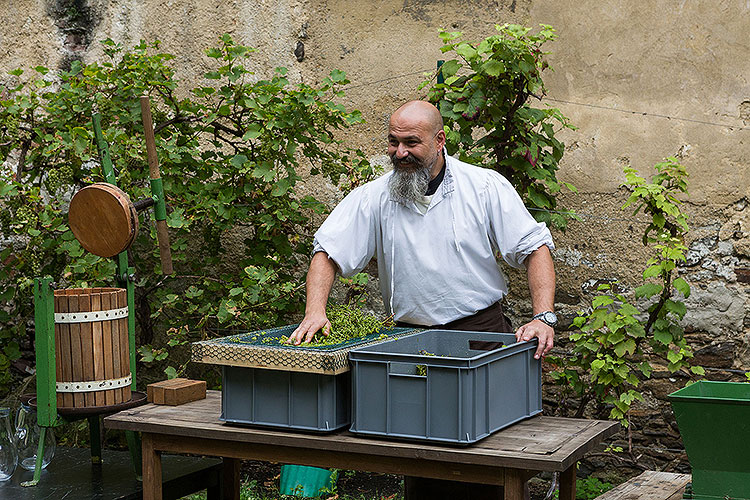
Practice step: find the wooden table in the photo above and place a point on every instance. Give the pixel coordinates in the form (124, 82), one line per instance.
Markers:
(509, 457)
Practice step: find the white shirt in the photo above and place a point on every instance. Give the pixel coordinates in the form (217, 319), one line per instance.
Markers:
(438, 265)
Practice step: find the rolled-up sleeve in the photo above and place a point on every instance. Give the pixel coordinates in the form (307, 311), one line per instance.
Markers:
(348, 234)
(513, 230)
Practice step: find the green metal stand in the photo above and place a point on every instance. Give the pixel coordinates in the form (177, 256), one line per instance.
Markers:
(440, 77)
(125, 276)
(95, 434)
(46, 390)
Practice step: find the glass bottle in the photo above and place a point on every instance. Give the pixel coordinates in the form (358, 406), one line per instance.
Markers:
(8, 454)
(27, 439)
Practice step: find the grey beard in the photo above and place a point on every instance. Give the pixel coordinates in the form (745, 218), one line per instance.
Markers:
(408, 185)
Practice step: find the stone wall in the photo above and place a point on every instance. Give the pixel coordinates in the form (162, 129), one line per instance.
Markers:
(640, 80)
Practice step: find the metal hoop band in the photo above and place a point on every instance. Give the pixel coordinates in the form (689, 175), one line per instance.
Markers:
(94, 385)
(88, 316)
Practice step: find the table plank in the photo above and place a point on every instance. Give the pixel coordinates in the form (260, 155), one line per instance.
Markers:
(650, 485)
(539, 443)
(333, 459)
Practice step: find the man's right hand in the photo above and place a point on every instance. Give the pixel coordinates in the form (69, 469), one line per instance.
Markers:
(311, 324)
(319, 281)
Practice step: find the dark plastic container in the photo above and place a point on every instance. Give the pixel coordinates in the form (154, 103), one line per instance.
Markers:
(273, 384)
(286, 399)
(714, 422)
(444, 386)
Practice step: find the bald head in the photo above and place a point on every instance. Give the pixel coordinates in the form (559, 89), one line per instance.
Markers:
(421, 112)
(415, 143)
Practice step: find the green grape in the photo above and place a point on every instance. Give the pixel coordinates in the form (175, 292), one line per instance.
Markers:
(348, 323)
(422, 369)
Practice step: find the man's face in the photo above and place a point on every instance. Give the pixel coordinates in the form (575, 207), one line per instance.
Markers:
(412, 145)
(414, 148)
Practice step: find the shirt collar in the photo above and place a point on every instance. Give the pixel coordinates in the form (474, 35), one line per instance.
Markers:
(448, 179)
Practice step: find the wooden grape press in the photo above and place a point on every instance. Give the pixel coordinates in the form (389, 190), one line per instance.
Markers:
(85, 337)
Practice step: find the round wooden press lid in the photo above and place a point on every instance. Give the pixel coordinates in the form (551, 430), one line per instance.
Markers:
(103, 219)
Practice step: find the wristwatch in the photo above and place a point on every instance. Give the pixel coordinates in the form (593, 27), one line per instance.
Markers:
(547, 317)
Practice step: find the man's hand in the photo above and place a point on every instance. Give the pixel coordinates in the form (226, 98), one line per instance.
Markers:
(540, 330)
(319, 281)
(311, 324)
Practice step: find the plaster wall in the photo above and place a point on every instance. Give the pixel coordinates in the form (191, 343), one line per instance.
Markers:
(640, 80)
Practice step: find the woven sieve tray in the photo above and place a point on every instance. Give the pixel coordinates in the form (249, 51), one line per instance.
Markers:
(258, 349)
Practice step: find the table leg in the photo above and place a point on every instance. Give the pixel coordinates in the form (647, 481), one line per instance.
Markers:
(151, 469)
(230, 480)
(568, 483)
(513, 486)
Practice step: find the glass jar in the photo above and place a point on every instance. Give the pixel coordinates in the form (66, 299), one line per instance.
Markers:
(27, 439)
(8, 454)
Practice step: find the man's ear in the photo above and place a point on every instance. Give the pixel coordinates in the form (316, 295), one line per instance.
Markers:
(440, 139)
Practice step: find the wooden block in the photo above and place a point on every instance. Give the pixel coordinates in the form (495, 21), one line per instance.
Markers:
(176, 391)
(650, 485)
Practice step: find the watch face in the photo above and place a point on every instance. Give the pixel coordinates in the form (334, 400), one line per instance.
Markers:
(550, 318)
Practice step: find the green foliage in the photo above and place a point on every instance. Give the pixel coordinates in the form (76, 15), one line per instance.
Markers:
(588, 488)
(231, 153)
(484, 102)
(614, 340)
(356, 289)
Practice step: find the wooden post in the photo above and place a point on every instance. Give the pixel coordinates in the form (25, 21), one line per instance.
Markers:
(230, 480)
(151, 469)
(568, 483)
(157, 191)
(513, 487)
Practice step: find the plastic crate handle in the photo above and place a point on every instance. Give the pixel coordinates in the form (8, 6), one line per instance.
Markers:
(485, 345)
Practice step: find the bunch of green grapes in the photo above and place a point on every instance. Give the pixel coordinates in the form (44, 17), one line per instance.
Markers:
(347, 323)
(59, 177)
(33, 261)
(26, 217)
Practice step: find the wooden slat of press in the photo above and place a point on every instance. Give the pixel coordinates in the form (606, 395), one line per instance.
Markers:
(61, 305)
(651, 485)
(115, 328)
(76, 351)
(122, 301)
(106, 299)
(66, 355)
(87, 347)
(96, 326)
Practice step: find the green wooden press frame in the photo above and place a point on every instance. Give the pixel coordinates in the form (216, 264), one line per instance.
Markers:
(44, 316)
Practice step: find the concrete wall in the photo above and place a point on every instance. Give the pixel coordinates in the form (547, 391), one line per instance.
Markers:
(640, 80)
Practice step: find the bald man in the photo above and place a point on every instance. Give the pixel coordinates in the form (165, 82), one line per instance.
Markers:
(435, 225)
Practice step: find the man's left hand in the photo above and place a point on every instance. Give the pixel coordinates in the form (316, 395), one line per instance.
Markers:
(540, 330)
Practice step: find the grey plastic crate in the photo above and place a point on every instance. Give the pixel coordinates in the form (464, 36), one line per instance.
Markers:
(284, 386)
(459, 392)
(286, 399)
